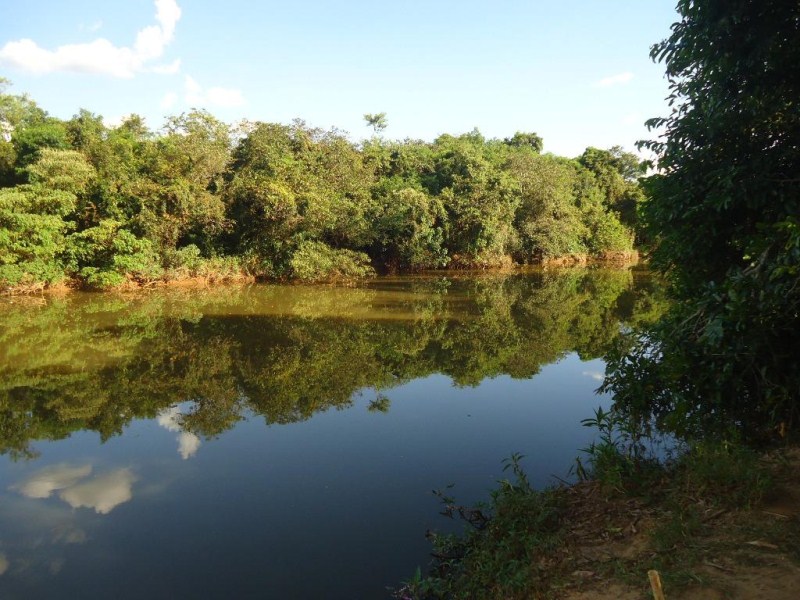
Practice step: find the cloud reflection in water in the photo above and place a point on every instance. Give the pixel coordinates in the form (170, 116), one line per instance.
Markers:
(188, 442)
(50, 479)
(596, 375)
(103, 492)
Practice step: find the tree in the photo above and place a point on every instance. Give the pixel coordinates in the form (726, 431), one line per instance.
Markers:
(292, 184)
(724, 215)
(410, 232)
(64, 170)
(120, 156)
(479, 199)
(185, 172)
(377, 121)
(27, 128)
(17, 111)
(526, 140)
(617, 173)
(29, 140)
(548, 220)
(32, 218)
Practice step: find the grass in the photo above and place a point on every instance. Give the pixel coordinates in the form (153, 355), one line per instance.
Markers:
(690, 516)
(506, 550)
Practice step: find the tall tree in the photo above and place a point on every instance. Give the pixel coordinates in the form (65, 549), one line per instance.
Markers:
(526, 140)
(377, 121)
(724, 212)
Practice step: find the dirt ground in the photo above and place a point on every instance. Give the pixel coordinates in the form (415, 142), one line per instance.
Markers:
(739, 554)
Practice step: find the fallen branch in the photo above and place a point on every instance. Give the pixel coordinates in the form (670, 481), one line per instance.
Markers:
(718, 566)
(714, 515)
(762, 544)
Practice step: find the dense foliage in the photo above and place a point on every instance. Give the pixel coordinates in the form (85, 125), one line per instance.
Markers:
(106, 206)
(724, 218)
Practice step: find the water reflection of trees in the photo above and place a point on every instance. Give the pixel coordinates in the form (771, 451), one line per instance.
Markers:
(96, 363)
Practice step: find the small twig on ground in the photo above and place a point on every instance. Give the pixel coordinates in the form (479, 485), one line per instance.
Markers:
(762, 544)
(714, 515)
(774, 514)
(718, 566)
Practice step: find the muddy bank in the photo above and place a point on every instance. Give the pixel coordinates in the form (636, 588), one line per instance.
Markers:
(503, 265)
(725, 553)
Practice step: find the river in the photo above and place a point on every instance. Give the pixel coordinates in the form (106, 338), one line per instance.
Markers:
(283, 441)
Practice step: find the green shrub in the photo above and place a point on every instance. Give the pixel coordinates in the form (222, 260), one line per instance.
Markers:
(548, 221)
(503, 554)
(316, 261)
(409, 231)
(32, 235)
(221, 268)
(182, 261)
(609, 235)
(107, 256)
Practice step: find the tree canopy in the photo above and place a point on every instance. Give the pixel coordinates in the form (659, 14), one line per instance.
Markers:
(723, 216)
(106, 206)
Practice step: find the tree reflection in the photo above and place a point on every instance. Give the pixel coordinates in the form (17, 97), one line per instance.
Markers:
(97, 362)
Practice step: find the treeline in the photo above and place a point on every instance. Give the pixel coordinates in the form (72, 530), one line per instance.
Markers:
(82, 202)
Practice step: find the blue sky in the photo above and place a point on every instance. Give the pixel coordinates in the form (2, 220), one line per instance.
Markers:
(576, 72)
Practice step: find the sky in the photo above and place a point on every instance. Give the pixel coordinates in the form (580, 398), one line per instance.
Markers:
(577, 72)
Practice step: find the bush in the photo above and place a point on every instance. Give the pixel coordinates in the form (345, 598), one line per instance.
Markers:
(183, 262)
(548, 221)
(609, 235)
(409, 231)
(316, 261)
(32, 236)
(504, 554)
(107, 256)
(221, 268)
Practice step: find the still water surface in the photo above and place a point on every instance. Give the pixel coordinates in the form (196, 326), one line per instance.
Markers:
(282, 441)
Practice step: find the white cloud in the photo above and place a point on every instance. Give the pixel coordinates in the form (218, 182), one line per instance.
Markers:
(102, 493)
(56, 477)
(596, 375)
(619, 79)
(169, 419)
(188, 442)
(101, 56)
(195, 95)
(167, 69)
(169, 100)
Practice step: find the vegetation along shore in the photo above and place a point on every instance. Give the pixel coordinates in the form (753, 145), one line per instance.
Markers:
(91, 206)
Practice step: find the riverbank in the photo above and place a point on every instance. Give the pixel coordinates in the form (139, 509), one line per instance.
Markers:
(210, 277)
(719, 522)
